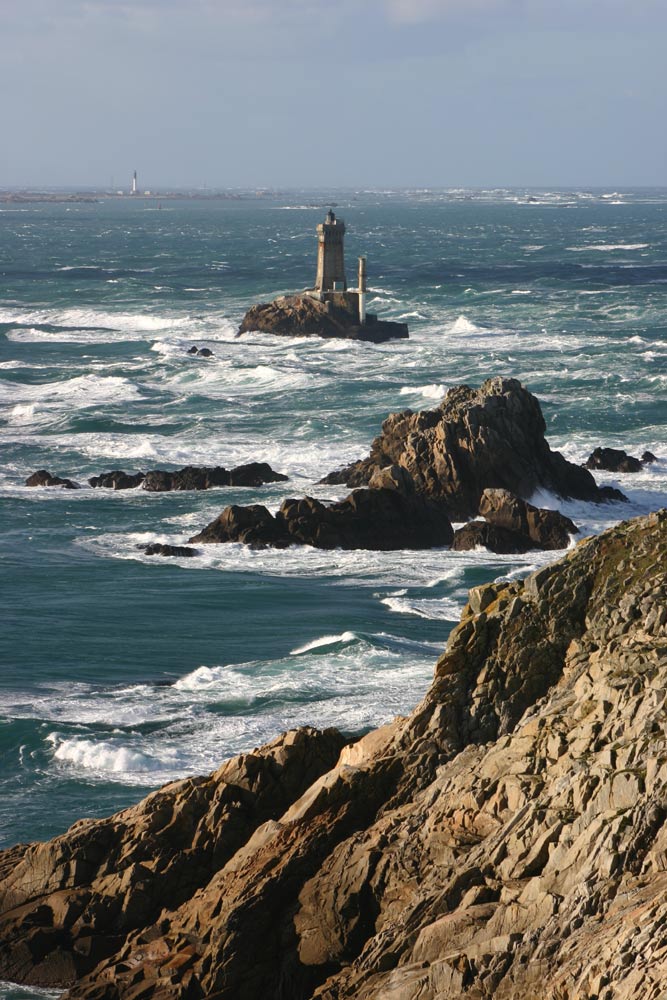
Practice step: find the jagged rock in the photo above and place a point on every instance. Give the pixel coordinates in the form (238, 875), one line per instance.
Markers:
(495, 538)
(382, 518)
(546, 529)
(165, 549)
(117, 480)
(191, 478)
(648, 457)
(67, 905)
(305, 316)
(44, 478)
(507, 840)
(477, 438)
(193, 350)
(613, 460)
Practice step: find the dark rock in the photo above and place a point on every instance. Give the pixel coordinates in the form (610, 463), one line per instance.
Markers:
(255, 474)
(305, 316)
(382, 519)
(613, 460)
(204, 352)
(477, 438)
(648, 457)
(44, 478)
(191, 478)
(476, 534)
(163, 549)
(546, 529)
(117, 480)
(609, 494)
(254, 525)
(193, 350)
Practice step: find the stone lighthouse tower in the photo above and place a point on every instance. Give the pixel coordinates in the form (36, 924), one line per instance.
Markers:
(330, 260)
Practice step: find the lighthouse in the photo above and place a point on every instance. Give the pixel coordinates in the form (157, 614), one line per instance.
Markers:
(134, 183)
(330, 257)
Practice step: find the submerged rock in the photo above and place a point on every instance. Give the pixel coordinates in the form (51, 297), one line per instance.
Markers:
(305, 316)
(508, 839)
(44, 478)
(165, 549)
(491, 437)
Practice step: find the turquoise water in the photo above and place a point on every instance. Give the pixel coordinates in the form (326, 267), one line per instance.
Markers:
(120, 672)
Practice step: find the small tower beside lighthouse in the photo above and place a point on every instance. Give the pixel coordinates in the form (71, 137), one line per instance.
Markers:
(330, 255)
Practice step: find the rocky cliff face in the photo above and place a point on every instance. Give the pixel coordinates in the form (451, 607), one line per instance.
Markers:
(491, 437)
(506, 840)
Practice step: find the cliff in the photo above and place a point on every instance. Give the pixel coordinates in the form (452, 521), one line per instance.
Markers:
(506, 840)
(304, 316)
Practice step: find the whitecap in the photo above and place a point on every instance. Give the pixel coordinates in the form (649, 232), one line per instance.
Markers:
(325, 642)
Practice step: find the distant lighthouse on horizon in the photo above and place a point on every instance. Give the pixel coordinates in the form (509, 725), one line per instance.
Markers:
(133, 190)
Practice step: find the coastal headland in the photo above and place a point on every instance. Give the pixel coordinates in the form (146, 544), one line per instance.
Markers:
(506, 839)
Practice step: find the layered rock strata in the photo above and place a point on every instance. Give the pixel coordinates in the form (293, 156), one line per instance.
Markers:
(388, 515)
(507, 840)
(306, 316)
(491, 437)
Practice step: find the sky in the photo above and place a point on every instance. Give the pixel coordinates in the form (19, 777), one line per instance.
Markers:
(333, 93)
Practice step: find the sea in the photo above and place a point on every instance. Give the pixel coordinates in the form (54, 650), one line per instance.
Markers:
(120, 671)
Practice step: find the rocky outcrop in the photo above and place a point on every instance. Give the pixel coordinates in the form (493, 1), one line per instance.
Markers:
(507, 840)
(491, 437)
(305, 316)
(44, 478)
(616, 460)
(390, 515)
(192, 477)
(196, 478)
(483, 535)
(117, 480)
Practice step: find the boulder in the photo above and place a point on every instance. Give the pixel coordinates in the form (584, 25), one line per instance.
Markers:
(204, 352)
(164, 549)
(613, 460)
(117, 480)
(648, 458)
(477, 438)
(193, 350)
(546, 529)
(44, 478)
(495, 538)
(305, 316)
(382, 518)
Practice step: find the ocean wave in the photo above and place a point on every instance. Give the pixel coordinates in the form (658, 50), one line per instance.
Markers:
(103, 757)
(606, 247)
(464, 325)
(325, 642)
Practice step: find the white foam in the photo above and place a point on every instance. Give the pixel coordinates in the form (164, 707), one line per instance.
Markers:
(435, 609)
(607, 247)
(102, 757)
(434, 391)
